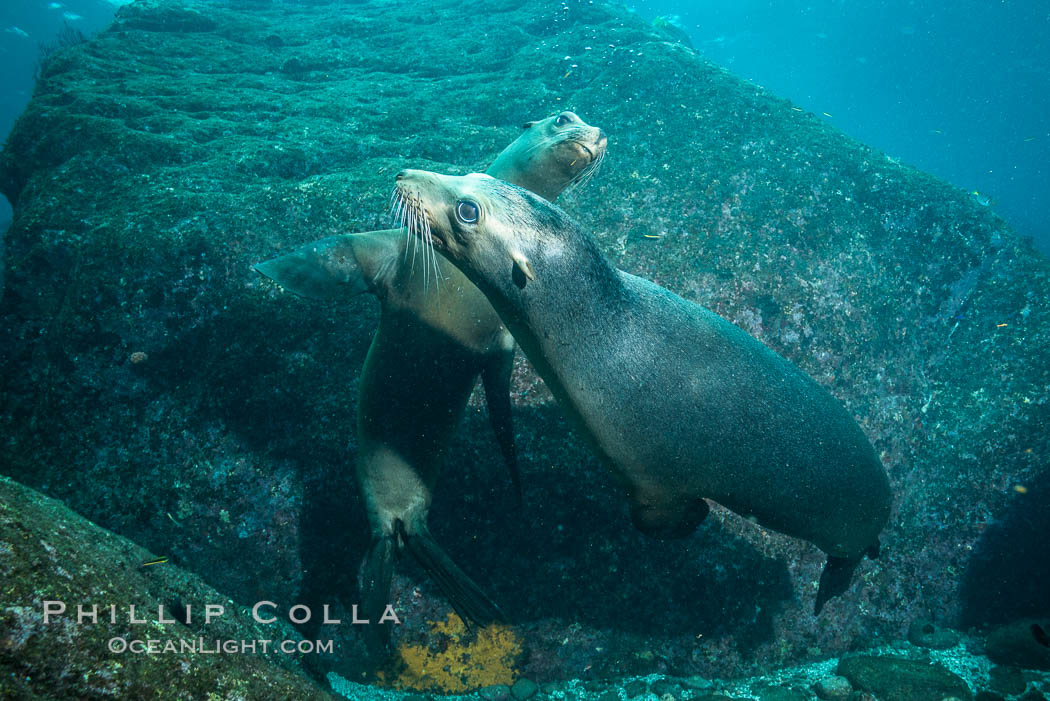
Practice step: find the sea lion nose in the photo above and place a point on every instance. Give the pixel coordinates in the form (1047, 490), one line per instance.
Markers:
(402, 175)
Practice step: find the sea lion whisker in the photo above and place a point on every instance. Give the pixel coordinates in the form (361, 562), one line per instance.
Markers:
(433, 255)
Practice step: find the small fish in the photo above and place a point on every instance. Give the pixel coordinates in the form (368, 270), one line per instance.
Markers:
(653, 236)
(17, 31)
(1020, 489)
(1040, 635)
(999, 326)
(826, 114)
(56, 6)
(158, 561)
(981, 198)
(71, 16)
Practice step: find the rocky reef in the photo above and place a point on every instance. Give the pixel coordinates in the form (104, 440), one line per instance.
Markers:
(53, 561)
(158, 386)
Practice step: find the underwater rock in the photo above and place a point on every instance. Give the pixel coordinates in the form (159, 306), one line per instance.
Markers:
(50, 554)
(901, 679)
(494, 692)
(926, 633)
(834, 687)
(1020, 644)
(160, 16)
(1032, 695)
(524, 689)
(697, 682)
(781, 693)
(161, 159)
(635, 688)
(665, 686)
(989, 696)
(1007, 680)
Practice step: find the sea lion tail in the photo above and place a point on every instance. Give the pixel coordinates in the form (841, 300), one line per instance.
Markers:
(374, 577)
(496, 380)
(335, 267)
(837, 575)
(466, 597)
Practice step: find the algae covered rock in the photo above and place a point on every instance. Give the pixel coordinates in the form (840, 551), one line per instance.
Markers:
(157, 385)
(833, 687)
(901, 679)
(51, 556)
(925, 633)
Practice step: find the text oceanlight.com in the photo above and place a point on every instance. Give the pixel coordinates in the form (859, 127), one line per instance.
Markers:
(202, 646)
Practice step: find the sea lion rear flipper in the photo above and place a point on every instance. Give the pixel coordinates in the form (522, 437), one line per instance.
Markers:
(466, 597)
(336, 266)
(835, 579)
(377, 570)
(496, 380)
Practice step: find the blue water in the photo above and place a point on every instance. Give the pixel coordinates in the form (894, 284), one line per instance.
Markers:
(24, 26)
(960, 89)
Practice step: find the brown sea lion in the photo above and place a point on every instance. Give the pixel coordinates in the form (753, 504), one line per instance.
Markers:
(679, 403)
(436, 334)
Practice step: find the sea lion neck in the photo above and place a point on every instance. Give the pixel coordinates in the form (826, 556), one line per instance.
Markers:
(508, 168)
(572, 279)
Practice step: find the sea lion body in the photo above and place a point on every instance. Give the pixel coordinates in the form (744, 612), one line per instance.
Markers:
(437, 334)
(680, 404)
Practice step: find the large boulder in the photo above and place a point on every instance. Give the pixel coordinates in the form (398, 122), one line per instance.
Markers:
(56, 564)
(159, 386)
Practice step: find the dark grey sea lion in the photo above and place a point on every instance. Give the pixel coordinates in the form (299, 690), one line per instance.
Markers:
(679, 403)
(437, 334)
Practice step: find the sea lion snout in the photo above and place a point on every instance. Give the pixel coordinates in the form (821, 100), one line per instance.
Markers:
(411, 174)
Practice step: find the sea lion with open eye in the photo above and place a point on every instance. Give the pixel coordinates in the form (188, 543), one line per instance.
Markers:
(679, 403)
(437, 333)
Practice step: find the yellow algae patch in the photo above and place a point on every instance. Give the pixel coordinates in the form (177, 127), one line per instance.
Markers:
(455, 660)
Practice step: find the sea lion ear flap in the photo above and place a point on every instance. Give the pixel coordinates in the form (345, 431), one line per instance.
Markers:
(527, 125)
(522, 269)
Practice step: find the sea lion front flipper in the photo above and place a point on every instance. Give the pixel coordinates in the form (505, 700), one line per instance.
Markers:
(835, 579)
(466, 597)
(374, 577)
(496, 380)
(337, 266)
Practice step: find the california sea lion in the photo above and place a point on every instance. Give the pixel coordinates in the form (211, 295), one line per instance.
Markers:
(681, 404)
(436, 334)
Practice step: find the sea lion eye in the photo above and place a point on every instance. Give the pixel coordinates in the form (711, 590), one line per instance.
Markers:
(562, 120)
(467, 212)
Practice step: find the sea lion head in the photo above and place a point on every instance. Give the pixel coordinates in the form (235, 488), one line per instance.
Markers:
(553, 154)
(486, 227)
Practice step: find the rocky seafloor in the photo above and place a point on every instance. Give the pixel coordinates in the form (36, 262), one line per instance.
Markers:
(159, 387)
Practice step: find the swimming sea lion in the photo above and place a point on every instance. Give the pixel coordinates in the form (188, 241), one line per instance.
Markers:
(679, 403)
(436, 334)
